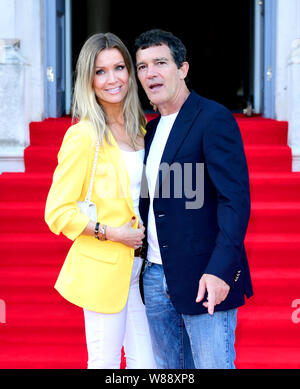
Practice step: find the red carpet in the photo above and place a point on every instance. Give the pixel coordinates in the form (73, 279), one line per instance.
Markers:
(41, 330)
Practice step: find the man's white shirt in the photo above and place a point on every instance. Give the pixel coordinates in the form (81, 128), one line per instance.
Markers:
(152, 168)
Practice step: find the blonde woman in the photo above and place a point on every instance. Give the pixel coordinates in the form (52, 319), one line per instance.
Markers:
(101, 271)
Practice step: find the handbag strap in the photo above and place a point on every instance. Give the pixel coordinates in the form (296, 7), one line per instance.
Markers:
(88, 195)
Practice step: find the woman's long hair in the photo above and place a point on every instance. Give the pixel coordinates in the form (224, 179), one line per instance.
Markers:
(85, 105)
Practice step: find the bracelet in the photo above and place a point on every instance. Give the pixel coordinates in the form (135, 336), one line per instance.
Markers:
(97, 230)
(102, 232)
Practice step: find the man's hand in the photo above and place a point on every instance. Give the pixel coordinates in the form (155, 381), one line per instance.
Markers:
(217, 291)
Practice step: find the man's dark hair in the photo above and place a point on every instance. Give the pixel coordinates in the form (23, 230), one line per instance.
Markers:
(157, 37)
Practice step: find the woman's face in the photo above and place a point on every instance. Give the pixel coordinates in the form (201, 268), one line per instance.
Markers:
(111, 77)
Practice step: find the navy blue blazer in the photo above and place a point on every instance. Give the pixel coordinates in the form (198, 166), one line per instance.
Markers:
(210, 238)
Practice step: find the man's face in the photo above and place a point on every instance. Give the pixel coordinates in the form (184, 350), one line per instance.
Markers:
(159, 75)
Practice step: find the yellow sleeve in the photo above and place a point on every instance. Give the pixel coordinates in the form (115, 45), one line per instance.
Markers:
(61, 213)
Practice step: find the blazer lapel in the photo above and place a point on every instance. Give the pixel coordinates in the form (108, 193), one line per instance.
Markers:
(180, 130)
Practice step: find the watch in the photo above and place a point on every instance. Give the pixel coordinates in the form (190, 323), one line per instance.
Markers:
(100, 231)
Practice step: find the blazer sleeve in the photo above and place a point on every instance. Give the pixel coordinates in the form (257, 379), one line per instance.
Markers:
(61, 213)
(227, 168)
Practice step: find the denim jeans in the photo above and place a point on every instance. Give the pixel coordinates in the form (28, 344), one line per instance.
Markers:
(182, 341)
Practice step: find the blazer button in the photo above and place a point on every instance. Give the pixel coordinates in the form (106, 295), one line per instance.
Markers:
(165, 246)
(237, 276)
(161, 215)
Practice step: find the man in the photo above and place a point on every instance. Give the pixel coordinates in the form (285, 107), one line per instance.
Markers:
(196, 273)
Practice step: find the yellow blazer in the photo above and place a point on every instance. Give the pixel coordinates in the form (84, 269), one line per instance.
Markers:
(95, 274)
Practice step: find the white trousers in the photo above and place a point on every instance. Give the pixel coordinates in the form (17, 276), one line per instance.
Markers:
(107, 333)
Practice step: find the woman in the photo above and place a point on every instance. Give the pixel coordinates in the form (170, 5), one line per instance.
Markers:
(102, 275)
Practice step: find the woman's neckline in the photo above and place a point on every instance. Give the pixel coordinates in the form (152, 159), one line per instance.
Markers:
(131, 152)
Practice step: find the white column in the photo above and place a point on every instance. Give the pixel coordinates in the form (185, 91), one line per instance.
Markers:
(287, 95)
(29, 27)
(13, 134)
(286, 22)
(294, 95)
(21, 87)
(7, 18)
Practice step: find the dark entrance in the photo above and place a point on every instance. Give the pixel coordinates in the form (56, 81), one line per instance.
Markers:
(218, 36)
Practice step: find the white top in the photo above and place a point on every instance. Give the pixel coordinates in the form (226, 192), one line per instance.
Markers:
(134, 163)
(152, 167)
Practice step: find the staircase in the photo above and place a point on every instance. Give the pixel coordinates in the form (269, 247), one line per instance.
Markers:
(42, 330)
(266, 337)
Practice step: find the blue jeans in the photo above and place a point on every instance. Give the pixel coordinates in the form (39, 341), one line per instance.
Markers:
(182, 341)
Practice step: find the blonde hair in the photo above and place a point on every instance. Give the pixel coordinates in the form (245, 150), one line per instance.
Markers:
(85, 104)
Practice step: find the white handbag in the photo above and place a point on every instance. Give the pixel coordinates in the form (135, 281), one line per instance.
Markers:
(87, 206)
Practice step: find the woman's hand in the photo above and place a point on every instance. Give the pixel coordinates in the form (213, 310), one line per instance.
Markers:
(126, 234)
